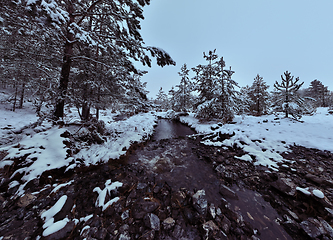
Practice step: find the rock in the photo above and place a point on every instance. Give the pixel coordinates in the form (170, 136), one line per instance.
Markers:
(152, 221)
(168, 223)
(225, 224)
(313, 178)
(328, 229)
(124, 236)
(212, 210)
(200, 201)
(312, 227)
(329, 211)
(125, 215)
(26, 199)
(227, 192)
(141, 208)
(178, 232)
(213, 231)
(291, 225)
(149, 235)
(178, 199)
(285, 185)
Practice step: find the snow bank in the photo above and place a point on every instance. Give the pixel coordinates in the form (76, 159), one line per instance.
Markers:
(123, 134)
(266, 137)
(45, 150)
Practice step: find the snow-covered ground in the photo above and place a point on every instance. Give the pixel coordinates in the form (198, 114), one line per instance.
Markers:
(46, 149)
(265, 137)
(262, 138)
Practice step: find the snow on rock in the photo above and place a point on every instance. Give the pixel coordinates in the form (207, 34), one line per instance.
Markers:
(45, 151)
(303, 190)
(57, 187)
(124, 133)
(318, 193)
(50, 226)
(55, 227)
(102, 194)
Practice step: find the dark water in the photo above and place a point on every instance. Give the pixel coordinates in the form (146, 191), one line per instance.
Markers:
(171, 129)
(174, 160)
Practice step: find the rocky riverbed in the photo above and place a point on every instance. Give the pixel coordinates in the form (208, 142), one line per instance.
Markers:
(175, 189)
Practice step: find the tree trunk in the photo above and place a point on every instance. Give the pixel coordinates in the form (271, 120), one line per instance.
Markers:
(15, 98)
(65, 70)
(22, 96)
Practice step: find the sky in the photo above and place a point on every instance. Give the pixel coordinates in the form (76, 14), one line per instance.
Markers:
(254, 37)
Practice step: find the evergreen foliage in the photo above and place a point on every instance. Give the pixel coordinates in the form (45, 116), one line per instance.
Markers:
(287, 97)
(217, 95)
(319, 92)
(181, 98)
(96, 41)
(259, 96)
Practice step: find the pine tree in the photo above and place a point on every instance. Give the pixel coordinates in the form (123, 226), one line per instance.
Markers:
(182, 97)
(103, 26)
(259, 96)
(319, 92)
(217, 95)
(287, 95)
(162, 99)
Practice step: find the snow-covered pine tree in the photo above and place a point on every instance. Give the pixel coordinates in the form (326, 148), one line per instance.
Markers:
(217, 95)
(182, 96)
(287, 97)
(162, 100)
(206, 78)
(259, 95)
(319, 92)
(102, 25)
(228, 100)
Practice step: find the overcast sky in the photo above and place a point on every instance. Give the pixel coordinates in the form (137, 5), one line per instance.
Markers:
(258, 36)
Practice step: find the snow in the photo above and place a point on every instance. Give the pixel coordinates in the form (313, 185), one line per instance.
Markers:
(318, 193)
(57, 187)
(102, 194)
(124, 133)
(303, 190)
(50, 226)
(47, 215)
(45, 151)
(266, 137)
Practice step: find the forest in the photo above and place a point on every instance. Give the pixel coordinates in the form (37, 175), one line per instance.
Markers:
(86, 154)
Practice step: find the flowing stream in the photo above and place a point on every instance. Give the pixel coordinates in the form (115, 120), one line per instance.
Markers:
(172, 158)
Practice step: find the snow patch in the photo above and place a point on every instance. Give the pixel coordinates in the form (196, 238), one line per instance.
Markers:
(102, 194)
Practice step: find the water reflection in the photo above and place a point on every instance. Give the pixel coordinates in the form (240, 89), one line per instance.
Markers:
(170, 129)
